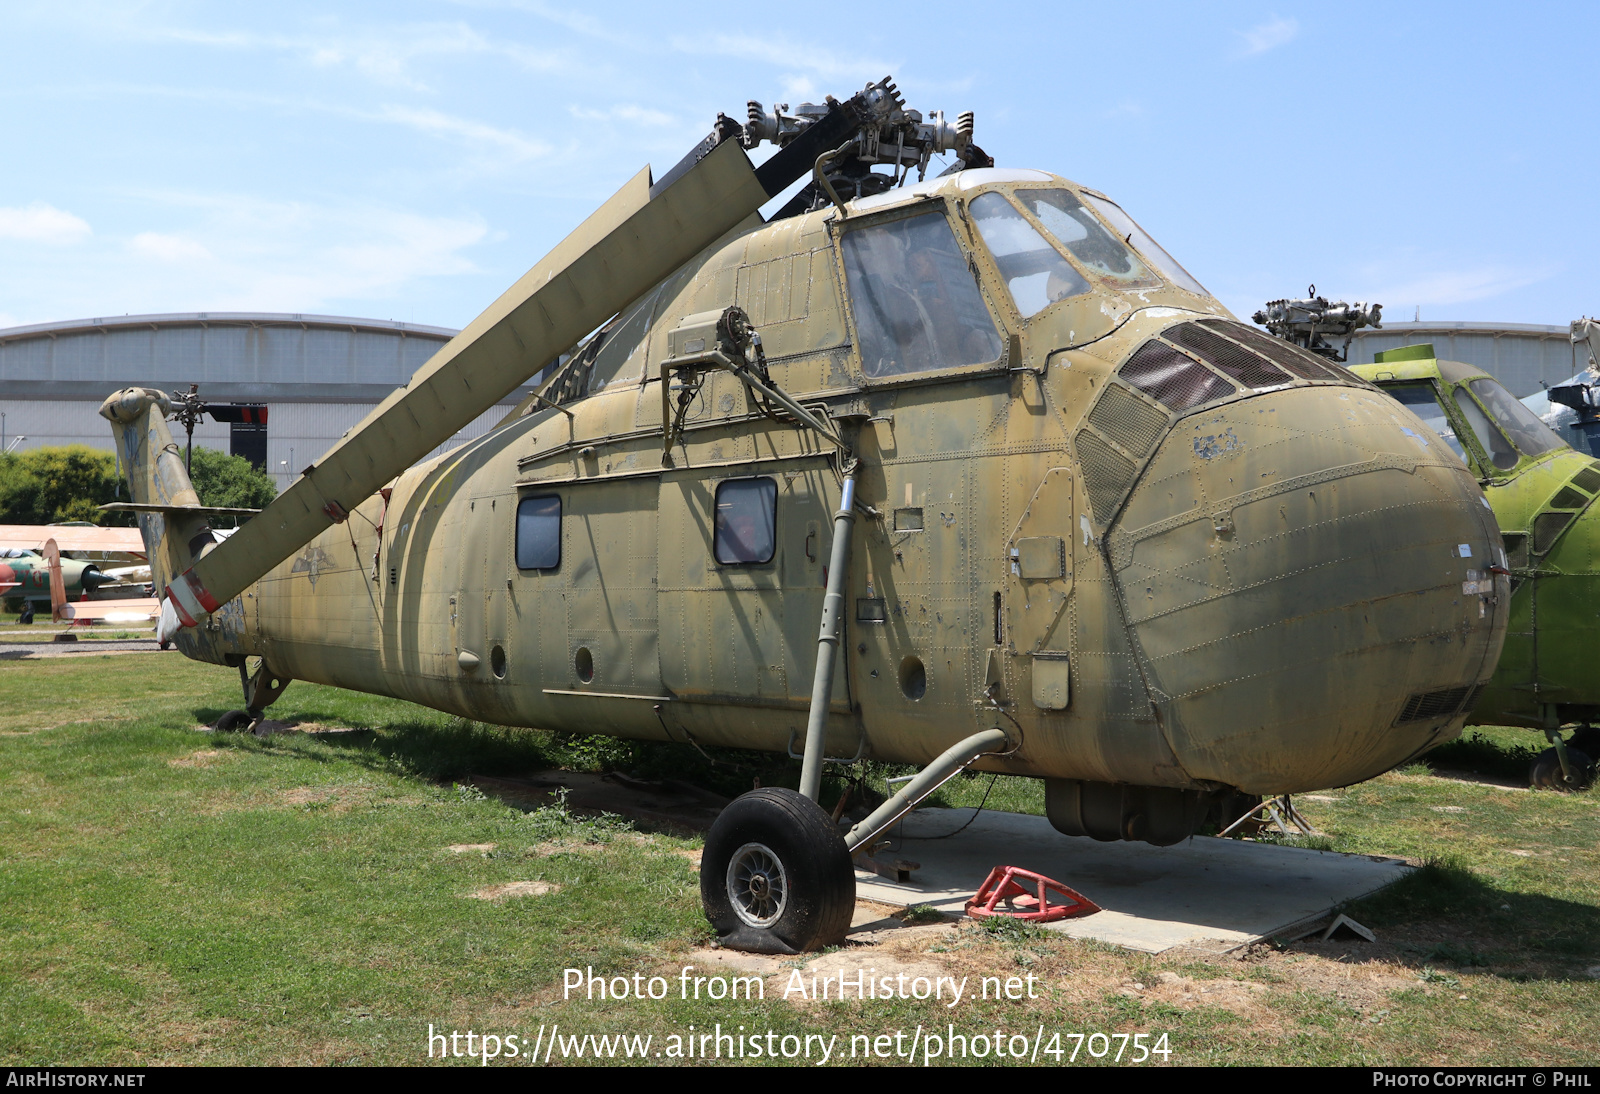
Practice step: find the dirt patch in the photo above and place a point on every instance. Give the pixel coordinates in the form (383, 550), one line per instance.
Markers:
(1245, 998)
(508, 889)
(205, 757)
(337, 799)
(267, 727)
(469, 848)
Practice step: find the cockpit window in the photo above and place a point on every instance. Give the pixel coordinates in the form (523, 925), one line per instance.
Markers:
(1065, 217)
(1423, 401)
(1531, 436)
(1140, 239)
(916, 304)
(1494, 442)
(1034, 271)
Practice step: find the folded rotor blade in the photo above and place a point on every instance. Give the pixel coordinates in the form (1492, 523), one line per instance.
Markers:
(632, 242)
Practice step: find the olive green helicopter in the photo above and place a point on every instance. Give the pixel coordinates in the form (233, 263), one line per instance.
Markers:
(962, 472)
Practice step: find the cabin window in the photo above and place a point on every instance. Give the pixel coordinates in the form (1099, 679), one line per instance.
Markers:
(916, 302)
(539, 533)
(1034, 272)
(747, 516)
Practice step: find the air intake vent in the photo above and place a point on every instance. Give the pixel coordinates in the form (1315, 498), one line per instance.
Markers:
(1174, 378)
(1248, 368)
(1587, 479)
(1128, 420)
(1547, 528)
(1568, 498)
(1435, 704)
(1107, 474)
(1307, 366)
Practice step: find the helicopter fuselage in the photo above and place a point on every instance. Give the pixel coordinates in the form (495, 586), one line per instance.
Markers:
(1095, 511)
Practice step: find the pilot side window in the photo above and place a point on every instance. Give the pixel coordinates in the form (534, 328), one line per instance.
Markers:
(539, 533)
(916, 303)
(747, 521)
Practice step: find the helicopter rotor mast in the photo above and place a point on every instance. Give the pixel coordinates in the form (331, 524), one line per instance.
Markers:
(636, 239)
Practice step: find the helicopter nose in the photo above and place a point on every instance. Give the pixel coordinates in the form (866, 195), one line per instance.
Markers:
(1307, 582)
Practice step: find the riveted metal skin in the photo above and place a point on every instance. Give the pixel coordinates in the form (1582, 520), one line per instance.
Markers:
(1199, 586)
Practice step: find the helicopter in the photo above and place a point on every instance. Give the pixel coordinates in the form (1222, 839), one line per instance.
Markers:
(1541, 491)
(965, 472)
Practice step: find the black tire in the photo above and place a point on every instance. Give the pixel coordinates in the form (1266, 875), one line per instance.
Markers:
(775, 876)
(1585, 739)
(235, 721)
(1546, 774)
(26, 615)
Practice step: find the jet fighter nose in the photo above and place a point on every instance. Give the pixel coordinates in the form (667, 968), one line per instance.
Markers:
(1309, 557)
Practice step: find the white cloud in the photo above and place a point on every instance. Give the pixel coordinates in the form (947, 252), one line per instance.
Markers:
(466, 131)
(167, 248)
(626, 112)
(385, 57)
(824, 60)
(41, 223)
(1269, 35)
(1455, 286)
(242, 253)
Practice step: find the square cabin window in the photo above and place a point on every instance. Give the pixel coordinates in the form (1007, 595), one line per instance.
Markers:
(539, 533)
(747, 516)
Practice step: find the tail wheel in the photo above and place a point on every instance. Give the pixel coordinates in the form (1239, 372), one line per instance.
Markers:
(1546, 773)
(776, 876)
(234, 721)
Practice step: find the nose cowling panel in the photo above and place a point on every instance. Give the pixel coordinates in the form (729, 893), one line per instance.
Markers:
(1300, 573)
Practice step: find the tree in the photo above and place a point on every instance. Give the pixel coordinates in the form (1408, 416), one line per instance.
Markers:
(51, 485)
(230, 481)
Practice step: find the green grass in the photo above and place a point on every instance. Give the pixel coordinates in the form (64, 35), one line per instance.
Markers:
(168, 896)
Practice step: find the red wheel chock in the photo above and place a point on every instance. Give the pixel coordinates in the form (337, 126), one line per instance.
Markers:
(1005, 884)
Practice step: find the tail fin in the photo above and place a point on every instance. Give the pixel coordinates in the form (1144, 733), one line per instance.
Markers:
(174, 538)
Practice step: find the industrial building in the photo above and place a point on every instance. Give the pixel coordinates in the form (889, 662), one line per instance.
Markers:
(318, 375)
(1522, 356)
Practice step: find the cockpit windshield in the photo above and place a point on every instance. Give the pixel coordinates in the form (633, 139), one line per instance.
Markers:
(1531, 436)
(1082, 234)
(1034, 271)
(1423, 401)
(1140, 239)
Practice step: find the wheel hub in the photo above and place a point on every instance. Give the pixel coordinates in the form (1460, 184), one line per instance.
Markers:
(757, 885)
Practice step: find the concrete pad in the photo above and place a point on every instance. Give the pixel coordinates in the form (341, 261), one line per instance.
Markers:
(1204, 890)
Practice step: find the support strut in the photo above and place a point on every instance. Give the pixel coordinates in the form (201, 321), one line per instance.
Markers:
(949, 764)
(828, 641)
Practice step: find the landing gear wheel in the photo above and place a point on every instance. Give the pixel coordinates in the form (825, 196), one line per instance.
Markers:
(775, 876)
(26, 616)
(1546, 774)
(235, 721)
(1585, 739)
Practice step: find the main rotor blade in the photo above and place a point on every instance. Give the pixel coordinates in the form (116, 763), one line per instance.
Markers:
(633, 241)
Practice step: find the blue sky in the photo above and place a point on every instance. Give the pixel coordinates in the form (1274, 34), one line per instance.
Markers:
(409, 160)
